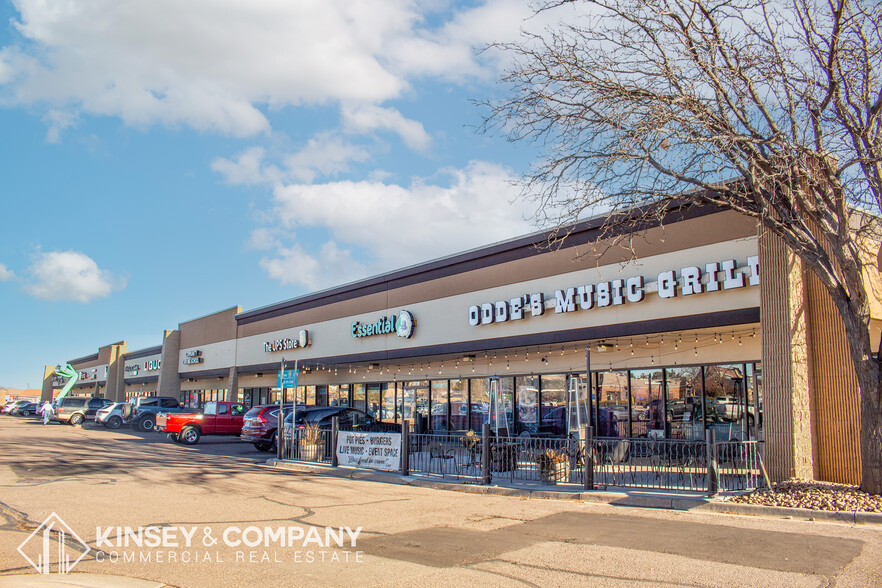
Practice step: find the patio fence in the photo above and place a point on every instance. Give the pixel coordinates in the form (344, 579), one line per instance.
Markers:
(668, 464)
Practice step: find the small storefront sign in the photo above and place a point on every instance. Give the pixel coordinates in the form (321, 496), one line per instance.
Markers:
(377, 451)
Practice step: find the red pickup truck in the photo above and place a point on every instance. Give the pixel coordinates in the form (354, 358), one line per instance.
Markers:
(216, 418)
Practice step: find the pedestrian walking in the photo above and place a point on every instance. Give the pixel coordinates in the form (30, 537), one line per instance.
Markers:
(47, 410)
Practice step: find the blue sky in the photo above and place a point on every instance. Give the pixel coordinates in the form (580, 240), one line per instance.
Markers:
(161, 160)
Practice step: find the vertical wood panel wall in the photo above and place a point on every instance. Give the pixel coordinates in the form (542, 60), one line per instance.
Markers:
(835, 390)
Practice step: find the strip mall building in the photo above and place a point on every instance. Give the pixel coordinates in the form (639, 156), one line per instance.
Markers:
(703, 323)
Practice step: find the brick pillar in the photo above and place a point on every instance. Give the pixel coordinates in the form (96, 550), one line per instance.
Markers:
(116, 374)
(233, 394)
(785, 354)
(46, 393)
(169, 381)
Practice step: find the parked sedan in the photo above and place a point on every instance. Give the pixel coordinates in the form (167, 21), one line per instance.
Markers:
(24, 410)
(10, 406)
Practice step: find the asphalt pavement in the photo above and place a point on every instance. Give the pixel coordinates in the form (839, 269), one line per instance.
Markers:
(143, 511)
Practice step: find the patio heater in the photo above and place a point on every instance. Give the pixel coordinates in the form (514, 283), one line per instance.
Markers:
(498, 419)
(577, 409)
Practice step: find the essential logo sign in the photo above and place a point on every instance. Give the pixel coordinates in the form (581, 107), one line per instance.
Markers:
(402, 325)
(193, 357)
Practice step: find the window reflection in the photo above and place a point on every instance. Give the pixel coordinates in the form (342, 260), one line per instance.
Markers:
(727, 402)
(683, 412)
(388, 403)
(358, 396)
(459, 405)
(612, 404)
(554, 405)
(527, 391)
(647, 412)
(373, 400)
(480, 403)
(440, 406)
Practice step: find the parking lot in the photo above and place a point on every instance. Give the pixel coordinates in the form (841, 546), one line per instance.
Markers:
(95, 479)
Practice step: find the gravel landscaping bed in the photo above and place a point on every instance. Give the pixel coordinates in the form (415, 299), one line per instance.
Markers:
(814, 495)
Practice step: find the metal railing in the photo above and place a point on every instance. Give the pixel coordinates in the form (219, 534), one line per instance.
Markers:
(314, 446)
(448, 455)
(668, 464)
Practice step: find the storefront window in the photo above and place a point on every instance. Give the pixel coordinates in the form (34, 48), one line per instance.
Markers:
(358, 396)
(527, 391)
(726, 401)
(344, 393)
(683, 412)
(440, 406)
(459, 405)
(409, 400)
(647, 410)
(387, 403)
(321, 396)
(373, 400)
(506, 387)
(480, 403)
(611, 399)
(554, 404)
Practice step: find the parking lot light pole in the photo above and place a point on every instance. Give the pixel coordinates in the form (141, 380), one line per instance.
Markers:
(280, 421)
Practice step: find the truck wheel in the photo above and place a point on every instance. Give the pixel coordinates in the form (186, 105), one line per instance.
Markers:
(146, 424)
(174, 437)
(190, 435)
(113, 422)
(76, 419)
(263, 445)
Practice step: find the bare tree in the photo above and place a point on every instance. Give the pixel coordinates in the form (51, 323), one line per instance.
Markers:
(767, 107)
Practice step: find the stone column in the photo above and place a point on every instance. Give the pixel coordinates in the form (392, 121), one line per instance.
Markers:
(46, 393)
(786, 375)
(233, 394)
(169, 381)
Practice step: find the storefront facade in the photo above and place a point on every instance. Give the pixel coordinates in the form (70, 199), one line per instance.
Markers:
(670, 327)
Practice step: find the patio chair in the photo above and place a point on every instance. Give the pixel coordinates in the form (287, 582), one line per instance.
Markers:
(617, 457)
(437, 452)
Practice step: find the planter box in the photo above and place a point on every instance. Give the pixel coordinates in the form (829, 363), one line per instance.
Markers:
(312, 452)
(555, 475)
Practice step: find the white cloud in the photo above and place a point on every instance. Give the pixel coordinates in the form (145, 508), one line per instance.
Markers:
(367, 118)
(212, 66)
(70, 275)
(326, 154)
(392, 226)
(331, 265)
(247, 168)
(6, 274)
(58, 120)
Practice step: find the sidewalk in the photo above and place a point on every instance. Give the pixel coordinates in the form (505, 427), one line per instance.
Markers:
(671, 500)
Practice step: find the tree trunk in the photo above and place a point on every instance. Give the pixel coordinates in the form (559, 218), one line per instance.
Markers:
(869, 375)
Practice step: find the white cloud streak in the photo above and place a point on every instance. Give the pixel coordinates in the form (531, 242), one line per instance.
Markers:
(213, 65)
(390, 226)
(6, 274)
(70, 276)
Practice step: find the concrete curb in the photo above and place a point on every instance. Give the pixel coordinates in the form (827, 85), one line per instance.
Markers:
(648, 499)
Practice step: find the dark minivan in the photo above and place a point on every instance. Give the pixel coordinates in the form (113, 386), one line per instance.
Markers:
(78, 409)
